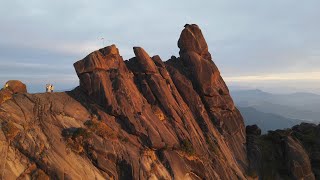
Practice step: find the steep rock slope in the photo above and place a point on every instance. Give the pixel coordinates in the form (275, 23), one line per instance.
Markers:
(136, 119)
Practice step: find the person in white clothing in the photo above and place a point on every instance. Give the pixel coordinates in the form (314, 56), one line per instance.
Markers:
(49, 88)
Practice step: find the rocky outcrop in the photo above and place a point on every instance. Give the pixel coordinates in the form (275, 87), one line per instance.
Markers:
(137, 119)
(280, 154)
(12, 87)
(309, 136)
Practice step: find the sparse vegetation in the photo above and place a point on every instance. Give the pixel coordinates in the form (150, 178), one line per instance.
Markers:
(100, 128)
(307, 137)
(213, 147)
(274, 164)
(9, 130)
(75, 133)
(76, 138)
(81, 133)
(187, 147)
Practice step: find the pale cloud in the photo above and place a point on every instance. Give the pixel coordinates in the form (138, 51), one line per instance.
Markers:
(312, 76)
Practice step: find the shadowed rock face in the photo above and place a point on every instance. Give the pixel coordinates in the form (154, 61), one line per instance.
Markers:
(309, 136)
(136, 119)
(284, 154)
(254, 154)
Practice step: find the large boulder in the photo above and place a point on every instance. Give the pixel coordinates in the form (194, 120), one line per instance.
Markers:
(16, 86)
(12, 87)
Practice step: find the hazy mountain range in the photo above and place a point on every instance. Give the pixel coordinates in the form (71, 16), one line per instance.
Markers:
(275, 111)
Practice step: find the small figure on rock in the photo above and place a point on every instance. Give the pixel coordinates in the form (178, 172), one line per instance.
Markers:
(49, 88)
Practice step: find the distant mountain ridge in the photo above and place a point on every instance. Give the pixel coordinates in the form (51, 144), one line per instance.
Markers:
(266, 121)
(300, 105)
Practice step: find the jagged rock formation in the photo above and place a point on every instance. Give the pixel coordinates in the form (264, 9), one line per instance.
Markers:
(136, 119)
(284, 154)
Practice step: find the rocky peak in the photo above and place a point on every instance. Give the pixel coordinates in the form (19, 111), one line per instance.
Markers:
(110, 50)
(144, 61)
(107, 58)
(192, 40)
(186, 92)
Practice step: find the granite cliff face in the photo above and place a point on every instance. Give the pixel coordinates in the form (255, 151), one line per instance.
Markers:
(137, 119)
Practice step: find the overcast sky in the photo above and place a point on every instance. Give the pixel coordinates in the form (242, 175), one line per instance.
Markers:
(273, 45)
